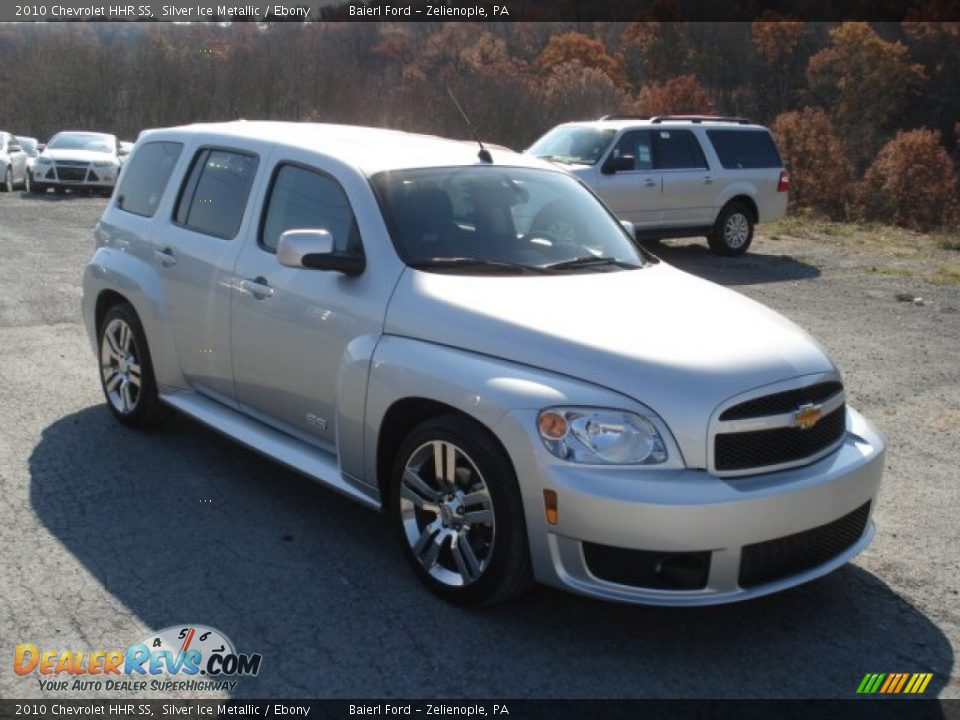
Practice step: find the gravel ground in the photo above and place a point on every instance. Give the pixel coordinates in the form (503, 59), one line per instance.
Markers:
(105, 538)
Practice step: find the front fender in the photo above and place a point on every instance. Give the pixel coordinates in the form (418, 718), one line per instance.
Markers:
(124, 273)
(482, 387)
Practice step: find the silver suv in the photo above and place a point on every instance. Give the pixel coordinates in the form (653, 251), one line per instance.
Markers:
(394, 316)
(677, 175)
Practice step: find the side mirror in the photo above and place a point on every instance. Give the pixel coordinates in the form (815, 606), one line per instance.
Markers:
(630, 228)
(41, 147)
(123, 152)
(618, 164)
(313, 249)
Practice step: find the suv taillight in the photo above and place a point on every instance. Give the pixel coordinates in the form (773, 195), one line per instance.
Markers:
(784, 184)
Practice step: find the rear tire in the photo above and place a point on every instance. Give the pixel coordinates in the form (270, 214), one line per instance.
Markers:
(7, 184)
(733, 231)
(126, 371)
(461, 528)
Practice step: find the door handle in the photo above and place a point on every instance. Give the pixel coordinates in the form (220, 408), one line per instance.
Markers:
(165, 257)
(650, 183)
(708, 180)
(258, 287)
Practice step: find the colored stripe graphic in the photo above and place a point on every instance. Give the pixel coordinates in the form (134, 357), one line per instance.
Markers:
(894, 683)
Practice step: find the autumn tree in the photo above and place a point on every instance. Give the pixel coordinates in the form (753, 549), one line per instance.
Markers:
(587, 51)
(821, 175)
(682, 95)
(655, 50)
(866, 81)
(776, 39)
(912, 182)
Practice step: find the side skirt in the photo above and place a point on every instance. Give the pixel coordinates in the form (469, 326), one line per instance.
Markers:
(296, 455)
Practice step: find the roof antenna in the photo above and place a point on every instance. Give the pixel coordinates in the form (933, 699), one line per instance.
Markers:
(484, 154)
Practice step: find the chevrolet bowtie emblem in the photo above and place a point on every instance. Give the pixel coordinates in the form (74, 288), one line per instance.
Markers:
(807, 416)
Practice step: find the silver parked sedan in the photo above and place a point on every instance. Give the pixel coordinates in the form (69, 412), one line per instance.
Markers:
(399, 317)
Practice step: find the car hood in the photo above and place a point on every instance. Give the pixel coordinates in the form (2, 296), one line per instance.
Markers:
(78, 155)
(678, 344)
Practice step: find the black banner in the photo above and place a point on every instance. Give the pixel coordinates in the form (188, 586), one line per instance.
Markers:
(114, 709)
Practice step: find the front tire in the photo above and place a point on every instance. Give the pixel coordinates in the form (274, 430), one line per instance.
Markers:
(7, 184)
(455, 506)
(126, 371)
(38, 188)
(733, 231)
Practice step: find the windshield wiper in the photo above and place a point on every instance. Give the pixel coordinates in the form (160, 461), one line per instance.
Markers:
(468, 263)
(589, 261)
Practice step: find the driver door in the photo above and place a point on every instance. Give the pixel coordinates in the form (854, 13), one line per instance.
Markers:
(635, 195)
(290, 326)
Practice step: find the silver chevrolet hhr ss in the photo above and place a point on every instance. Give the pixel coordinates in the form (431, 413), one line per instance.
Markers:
(474, 344)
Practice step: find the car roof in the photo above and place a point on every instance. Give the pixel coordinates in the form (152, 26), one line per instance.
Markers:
(620, 123)
(369, 149)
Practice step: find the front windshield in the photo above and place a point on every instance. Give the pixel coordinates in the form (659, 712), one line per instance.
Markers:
(501, 219)
(29, 146)
(83, 141)
(577, 145)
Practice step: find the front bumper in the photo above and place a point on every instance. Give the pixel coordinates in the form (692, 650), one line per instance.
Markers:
(78, 177)
(687, 511)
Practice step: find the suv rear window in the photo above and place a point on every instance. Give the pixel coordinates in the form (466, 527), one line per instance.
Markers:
(145, 177)
(745, 149)
(215, 195)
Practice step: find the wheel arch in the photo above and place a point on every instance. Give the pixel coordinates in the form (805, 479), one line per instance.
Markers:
(747, 201)
(402, 416)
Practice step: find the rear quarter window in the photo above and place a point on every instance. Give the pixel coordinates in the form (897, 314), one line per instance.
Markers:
(145, 177)
(745, 149)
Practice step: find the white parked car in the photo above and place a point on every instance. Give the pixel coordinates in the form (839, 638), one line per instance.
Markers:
(677, 175)
(394, 316)
(78, 161)
(13, 164)
(32, 148)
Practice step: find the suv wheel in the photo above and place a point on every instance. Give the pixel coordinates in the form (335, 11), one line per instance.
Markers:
(733, 231)
(7, 185)
(455, 506)
(126, 373)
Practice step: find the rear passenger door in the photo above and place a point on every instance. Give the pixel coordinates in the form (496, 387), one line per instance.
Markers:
(195, 254)
(634, 194)
(689, 188)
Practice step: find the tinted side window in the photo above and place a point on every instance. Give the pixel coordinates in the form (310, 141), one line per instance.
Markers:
(145, 177)
(678, 150)
(636, 143)
(215, 195)
(300, 199)
(738, 149)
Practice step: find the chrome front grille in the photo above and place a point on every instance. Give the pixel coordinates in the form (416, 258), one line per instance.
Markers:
(779, 430)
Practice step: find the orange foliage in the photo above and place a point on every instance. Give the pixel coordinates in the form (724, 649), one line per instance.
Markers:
(589, 52)
(776, 37)
(821, 174)
(679, 95)
(864, 78)
(911, 183)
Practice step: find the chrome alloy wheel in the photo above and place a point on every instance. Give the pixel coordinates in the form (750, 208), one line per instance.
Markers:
(120, 366)
(447, 513)
(736, 230)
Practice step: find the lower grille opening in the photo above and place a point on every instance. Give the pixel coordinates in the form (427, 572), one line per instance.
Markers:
(648, 569)
(772, 560)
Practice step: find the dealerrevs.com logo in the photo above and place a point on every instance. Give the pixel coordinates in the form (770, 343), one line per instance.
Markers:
(183, 657)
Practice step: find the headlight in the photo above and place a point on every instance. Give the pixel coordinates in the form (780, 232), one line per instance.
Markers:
(612, 437)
